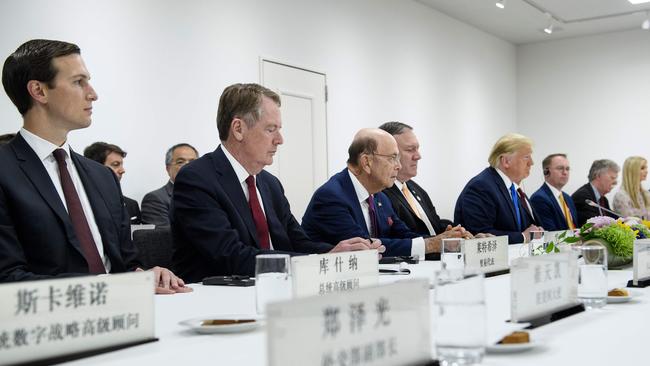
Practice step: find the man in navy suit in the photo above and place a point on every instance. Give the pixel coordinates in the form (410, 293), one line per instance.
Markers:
(61, 214)
(555, 209)
(226, 209)
(492, 201)
(351, 202)
(603, 176)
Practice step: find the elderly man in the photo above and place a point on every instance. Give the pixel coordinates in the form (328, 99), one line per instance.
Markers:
(61, 214)
(226, 209)
(351, 203)
(493, 201)
(555, 209)
(155, 204)
(602, 178)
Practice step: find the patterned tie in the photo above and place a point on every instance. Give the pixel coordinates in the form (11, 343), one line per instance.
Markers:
(603, 202)
(524, 202)
(373, 216)
(411, 200)
(515, 201)
(567, 213)
(76, 212)
(261, 226)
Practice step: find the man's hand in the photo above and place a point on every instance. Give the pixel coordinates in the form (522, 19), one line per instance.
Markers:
(166, 281)
(483, 235)
(526, 232)
(357, 243)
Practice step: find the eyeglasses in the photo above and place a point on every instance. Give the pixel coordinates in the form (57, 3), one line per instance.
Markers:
(394, 158)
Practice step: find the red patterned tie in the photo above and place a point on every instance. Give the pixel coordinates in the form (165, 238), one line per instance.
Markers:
(261, 226)
(76, 212)
(374, 232)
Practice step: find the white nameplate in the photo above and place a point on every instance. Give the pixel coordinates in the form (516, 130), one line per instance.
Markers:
(486, 254)
(543, 284)
(641, 260)
(51, 318)
(334, 272)
(373, 326)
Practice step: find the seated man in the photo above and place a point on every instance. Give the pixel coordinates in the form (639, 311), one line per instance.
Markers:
(155, 204)
(61, 214)
(113, 156)
(602, 178)
(555, 209)
(492, 201)
(351, 202)
(226, 209)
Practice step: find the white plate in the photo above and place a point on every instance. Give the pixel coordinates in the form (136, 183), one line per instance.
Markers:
(511, 347)
(198, 324)
(621, 299)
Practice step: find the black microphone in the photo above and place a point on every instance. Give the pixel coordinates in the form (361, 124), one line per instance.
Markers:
(594, 204)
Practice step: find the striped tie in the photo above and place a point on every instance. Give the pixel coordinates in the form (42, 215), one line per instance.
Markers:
(567, 213)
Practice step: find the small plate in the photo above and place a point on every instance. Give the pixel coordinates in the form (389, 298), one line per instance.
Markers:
(223, 323)
(621, 299)
(511, 347)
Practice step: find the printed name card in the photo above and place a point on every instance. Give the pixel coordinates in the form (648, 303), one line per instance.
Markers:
(373, 326)
(641, 261)
(486, 254)
(334, 272)
(543, 284)
(44, 319)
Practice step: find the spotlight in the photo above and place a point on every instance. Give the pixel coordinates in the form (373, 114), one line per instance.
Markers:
(549, 27)
(646, 23)
(501, 4)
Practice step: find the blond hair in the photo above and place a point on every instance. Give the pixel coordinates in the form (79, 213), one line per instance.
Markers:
(632, 180)
(508, 144)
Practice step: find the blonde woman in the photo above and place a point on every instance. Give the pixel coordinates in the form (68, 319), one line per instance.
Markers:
(632, 199)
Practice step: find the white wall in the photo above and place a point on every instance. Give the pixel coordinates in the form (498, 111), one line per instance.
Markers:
(159, 67)
(588, 97)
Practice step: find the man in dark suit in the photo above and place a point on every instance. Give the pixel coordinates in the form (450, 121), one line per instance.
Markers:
(602, 178)
(492, 201)
(555, 209)
(155, 204)
(351, 202)
(60, 214)
(225, 208)
(113, 156)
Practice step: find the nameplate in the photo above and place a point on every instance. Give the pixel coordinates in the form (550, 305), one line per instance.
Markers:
(49, 319)
(373, 326)
(542, 285)
(486, 255)
(641, 261)
(334, 272)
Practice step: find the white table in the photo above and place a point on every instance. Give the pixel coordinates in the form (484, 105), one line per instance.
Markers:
(614, 335)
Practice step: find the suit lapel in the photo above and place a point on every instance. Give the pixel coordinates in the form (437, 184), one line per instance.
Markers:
(556, 206)
(351, 195)
(506, 195)
(418, 193)
(169, 188)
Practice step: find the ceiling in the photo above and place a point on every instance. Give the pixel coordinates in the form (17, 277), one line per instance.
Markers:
(522, 21)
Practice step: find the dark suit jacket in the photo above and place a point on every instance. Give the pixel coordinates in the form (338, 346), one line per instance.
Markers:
(155, 205)
(585, 212)
(133, 209)
(406, 214)
(485, 206)
(551, 216)
(37, 239)
(212, 224)
(334, 214)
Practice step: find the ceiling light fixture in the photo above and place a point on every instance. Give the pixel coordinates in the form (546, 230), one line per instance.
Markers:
(638, 1)
(549, 27)
(646, 23)
(501, 4)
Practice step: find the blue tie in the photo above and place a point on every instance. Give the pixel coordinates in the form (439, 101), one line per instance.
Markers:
(515, 201)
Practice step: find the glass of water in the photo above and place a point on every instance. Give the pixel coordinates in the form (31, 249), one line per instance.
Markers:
(536, 243)
(592, 275)
(460, 318)
(272, 279)
(451, 254)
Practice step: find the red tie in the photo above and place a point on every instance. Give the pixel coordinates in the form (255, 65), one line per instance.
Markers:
(524, 201)
(261, 226)
(76, 212)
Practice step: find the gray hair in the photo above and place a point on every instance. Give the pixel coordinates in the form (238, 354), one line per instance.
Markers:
(170, 152)
(395, 128)
(599, 167)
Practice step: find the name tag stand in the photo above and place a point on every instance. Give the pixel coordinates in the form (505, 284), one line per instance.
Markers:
(554, 316)
(487, 255)
(497, 273)
(641, 264)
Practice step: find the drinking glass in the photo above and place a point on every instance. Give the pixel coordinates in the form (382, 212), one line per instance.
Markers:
(451, 254)
(592, 276)
(272, 279)
(536, 243)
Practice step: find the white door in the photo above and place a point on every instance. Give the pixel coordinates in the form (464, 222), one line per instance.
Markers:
(301, 162)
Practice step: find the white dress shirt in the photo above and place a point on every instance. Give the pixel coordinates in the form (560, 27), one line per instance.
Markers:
(417, 244)
(44, 150)
(242, 174)
(423, 214)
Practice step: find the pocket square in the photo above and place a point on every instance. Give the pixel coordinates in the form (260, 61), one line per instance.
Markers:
(390, 221)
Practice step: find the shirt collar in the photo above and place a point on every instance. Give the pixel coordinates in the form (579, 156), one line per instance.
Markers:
(556, 192)
(400, 184)
(506, 180)
(359, 189)
(241, 173)
(42, 147)
(596, 193)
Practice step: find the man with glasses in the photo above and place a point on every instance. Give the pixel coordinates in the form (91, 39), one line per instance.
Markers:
(351, 203)
(555, 209)
(155, 204)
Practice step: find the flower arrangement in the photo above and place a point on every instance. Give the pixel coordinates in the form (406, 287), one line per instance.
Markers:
(619, 233)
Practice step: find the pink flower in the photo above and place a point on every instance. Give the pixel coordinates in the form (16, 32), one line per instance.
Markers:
(600, 221)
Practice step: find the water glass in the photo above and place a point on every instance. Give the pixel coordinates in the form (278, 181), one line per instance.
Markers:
(460, 318)
(592, 276)
(451, 254)
(536, 243)
(272, 279)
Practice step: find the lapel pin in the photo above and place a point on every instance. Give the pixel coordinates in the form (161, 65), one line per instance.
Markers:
(379, 204)
(418, 197)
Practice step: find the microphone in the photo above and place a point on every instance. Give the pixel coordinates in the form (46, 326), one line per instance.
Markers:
(594, 204)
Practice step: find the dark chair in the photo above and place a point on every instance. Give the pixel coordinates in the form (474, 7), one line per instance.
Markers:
(155, 246)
